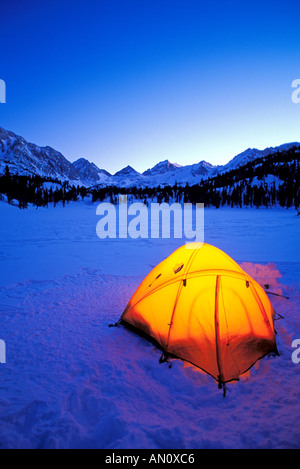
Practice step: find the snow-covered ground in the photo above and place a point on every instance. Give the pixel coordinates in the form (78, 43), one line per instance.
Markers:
(70, 381)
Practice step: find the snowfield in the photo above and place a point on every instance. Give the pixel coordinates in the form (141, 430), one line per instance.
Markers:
(71, 381)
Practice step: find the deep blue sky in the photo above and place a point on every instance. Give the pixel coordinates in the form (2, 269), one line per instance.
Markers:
(135, 82)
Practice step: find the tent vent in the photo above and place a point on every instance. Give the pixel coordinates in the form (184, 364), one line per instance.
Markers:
(178, 268)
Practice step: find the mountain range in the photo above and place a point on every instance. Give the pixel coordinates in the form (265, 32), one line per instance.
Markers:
(26, 158)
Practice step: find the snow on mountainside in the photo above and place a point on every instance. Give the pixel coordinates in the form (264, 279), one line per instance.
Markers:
(127, 177)
(167, 173)
(252, 154)
(128, 171)
(90, 174)
(162, 168)
(26, 158)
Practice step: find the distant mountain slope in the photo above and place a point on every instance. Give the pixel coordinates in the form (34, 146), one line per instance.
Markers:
(167, 173)
(90, 174)
(127, 177)
(26, 158)
(252, 154)
(162, 168)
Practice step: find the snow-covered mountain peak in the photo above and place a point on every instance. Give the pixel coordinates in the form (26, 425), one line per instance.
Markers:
(90, 174)
(128, 170)
(161, 168)
(206, 164)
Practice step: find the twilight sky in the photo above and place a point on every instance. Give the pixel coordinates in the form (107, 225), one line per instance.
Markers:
(135, 81)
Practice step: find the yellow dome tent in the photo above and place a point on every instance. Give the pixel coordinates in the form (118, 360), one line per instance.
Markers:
(200, 306)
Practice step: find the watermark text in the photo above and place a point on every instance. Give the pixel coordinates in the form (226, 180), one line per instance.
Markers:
(154, 220)
(296, 92)
(296, 352)
(2, 351)
(2, 92)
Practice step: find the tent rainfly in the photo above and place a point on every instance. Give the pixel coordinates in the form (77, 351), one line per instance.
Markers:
(200, 306)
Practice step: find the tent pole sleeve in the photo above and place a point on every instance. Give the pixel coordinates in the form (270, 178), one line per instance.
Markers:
(217, 331)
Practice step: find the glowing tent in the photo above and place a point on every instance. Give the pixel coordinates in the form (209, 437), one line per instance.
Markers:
(200, 306)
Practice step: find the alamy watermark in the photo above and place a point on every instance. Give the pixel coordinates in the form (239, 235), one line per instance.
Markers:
(2, 351)
(296, 352)
(151, 220)
(296, 92)
(2, 92)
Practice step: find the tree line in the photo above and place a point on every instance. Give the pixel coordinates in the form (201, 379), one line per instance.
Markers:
(244, 186)
(32, 190)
